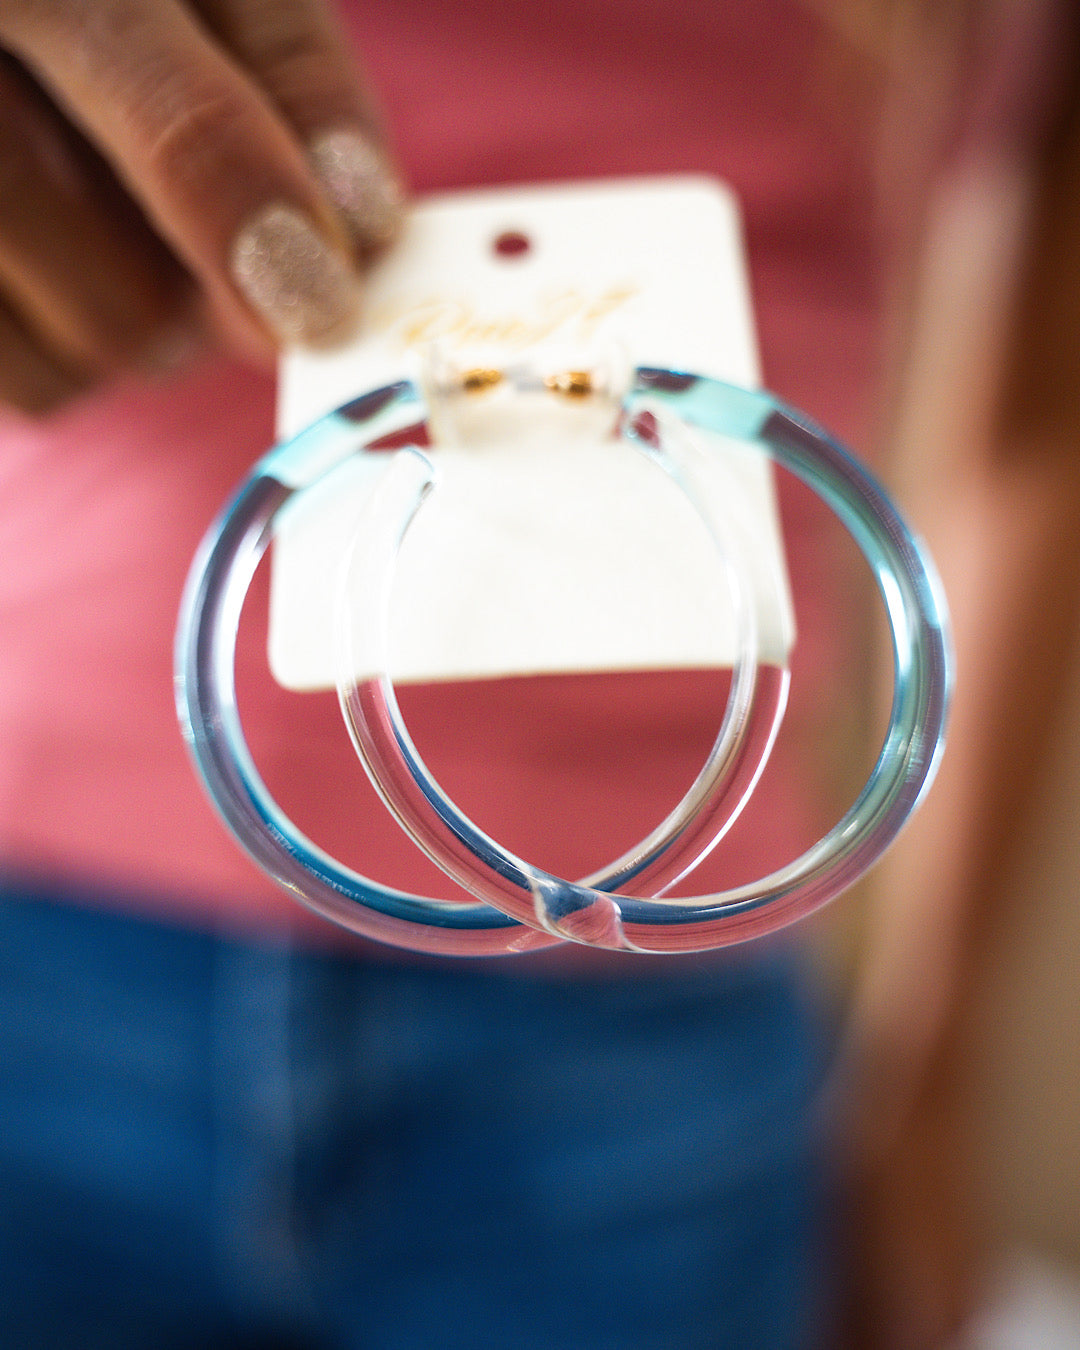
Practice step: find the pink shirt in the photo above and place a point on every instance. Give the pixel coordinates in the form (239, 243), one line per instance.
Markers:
(101, 508)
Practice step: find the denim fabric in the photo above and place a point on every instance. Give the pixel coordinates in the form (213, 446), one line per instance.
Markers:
(210, 1144)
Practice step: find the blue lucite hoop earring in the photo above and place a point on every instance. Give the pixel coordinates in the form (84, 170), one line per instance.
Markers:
(548, 908)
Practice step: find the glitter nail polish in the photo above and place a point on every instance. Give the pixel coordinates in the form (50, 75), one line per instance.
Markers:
(302, 287)
(359, 183)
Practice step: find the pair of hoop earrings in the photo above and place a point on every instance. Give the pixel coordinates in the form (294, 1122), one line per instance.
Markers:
(520, 907)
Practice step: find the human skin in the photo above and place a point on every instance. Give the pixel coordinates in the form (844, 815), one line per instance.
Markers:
(175, 173)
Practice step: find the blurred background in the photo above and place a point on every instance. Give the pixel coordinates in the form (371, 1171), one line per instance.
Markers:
(909, 174)
(973, 921)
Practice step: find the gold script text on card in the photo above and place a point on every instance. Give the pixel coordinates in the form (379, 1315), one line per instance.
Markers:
(573, 314)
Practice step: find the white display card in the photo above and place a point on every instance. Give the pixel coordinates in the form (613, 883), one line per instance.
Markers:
(549, 545)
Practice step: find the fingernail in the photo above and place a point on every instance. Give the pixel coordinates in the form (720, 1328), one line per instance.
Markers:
(301, 286)
(360, 184)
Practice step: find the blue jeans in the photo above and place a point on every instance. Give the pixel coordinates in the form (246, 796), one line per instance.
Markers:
(210, 1144)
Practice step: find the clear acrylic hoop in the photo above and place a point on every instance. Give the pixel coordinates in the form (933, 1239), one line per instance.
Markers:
(526, 907)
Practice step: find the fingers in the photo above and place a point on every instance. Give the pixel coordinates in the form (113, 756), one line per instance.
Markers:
(198, 142)
(30, 378)
(77, 264)
(85, 287)
(296, 51)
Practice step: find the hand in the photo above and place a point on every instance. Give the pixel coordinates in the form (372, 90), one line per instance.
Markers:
(177, 171)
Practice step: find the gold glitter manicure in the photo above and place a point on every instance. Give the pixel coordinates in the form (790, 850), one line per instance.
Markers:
(302, 287)
(358, 182)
